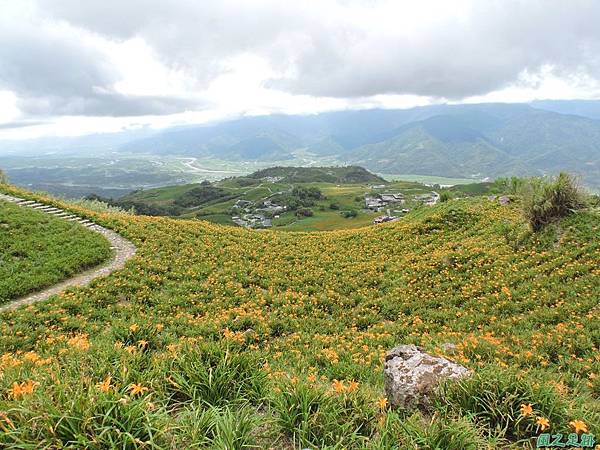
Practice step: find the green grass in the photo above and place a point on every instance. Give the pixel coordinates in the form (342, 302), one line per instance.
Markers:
(38, 250)
(346, 196)
(219, 337)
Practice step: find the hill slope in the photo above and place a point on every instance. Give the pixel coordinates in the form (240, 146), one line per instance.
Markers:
(38, 250)
(341, 175)
(221, 317)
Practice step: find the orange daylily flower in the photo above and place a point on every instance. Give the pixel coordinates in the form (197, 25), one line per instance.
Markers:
(19, 390)
(579, 426)
(136, 389)
(338, 386)
(104, 386)
(543, 423)
(526, 409)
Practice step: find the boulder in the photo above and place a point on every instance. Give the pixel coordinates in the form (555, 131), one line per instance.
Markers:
(504, 200)
(411, 376)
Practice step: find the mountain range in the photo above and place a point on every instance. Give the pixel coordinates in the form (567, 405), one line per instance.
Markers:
(463, 141)
(480, 140)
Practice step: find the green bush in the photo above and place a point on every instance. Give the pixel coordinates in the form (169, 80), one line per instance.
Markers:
(433, 433)
(3, 178)
(211, 375)
(304, 212)
(548, 199)
(349, 214)
(218, 428)
(493, 397)
(445, 196)
(313, 417)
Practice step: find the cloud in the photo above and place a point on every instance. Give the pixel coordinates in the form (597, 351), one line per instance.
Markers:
(115, 58)
(22, 124)
(59, 69)
(343, 49)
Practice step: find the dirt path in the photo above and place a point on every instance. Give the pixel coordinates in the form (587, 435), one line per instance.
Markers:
(122, 251)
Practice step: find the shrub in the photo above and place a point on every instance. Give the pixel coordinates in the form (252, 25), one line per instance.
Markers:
(493, 397)
(334, 206)
(3, 177)
(545, 200)
(304, 212)
(509, 186)
(445, 196)
(419, 432)
(313, 417)
(216, 428)
(349, 214)
(213, 376)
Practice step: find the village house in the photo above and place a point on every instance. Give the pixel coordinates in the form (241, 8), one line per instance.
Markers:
(241, 204)
(381, 200)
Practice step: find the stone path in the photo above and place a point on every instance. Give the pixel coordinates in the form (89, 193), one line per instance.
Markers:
(122, 248)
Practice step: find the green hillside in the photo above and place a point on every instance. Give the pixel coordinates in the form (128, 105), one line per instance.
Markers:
(341, 175)
(213, 335)
(286, 198)
(38, 250)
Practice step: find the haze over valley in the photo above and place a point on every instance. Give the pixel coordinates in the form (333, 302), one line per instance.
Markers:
(455, 143)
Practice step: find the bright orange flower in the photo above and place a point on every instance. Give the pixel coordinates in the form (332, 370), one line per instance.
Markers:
(382, 403)
(19, 390)
(543, 423)
(137, 389)
(526, 409)
(338, 386)
(352, 386)
(104, 386)
(579, 426)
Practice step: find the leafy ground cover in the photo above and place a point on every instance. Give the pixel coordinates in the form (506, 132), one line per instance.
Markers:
(218, 337)
(38, 250)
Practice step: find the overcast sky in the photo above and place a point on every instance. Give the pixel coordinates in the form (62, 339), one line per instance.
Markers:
(73, 66)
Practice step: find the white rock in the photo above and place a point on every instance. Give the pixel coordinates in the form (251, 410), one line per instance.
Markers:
(411, 376)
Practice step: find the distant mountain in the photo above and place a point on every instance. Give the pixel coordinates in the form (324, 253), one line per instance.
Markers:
(481, 140)
(584, 108)
(465, 141)
(489, 140)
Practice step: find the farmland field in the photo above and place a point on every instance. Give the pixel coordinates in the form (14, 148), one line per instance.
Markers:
(37, 250)
(221, 337)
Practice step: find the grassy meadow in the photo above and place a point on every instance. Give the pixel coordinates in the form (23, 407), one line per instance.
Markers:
(38, 250)
(345, 197)
(221, 337)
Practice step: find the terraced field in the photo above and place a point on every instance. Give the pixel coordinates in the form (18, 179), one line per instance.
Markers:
(38, 250)
(217, 337)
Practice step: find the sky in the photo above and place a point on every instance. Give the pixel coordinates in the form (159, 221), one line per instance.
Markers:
(70, 67)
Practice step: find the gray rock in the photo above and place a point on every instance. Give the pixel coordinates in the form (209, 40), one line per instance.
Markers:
(411, 376)
(449, 347)
(504, 200)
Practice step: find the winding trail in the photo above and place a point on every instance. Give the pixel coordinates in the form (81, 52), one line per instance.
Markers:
(122, 248)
